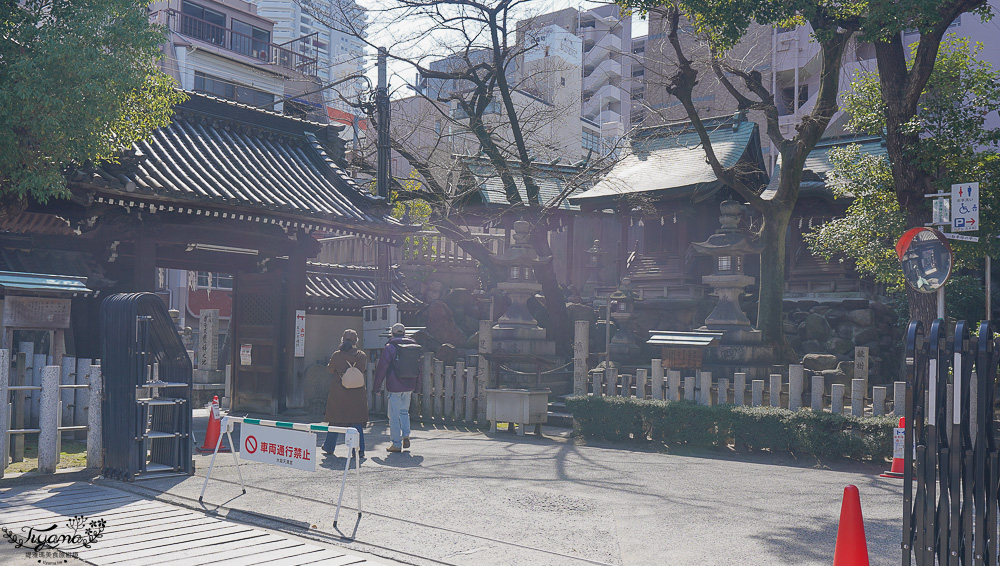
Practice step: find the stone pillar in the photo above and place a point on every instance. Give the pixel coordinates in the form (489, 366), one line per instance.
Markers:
(227, 394)
(775, 396)
(739, 388)
(723, 397)
(674, 385)
(878, 401)
(858, 397)
(48, 421)
(485, 347)
(611, 381)
(757, 392)
(640, 382)
(4, 413)
(861, 365)
(208, 339)
(816, 392)
(837, 398)
(706, 388)
(796, 383)
(95, 442)
(656, 367)
(597, 385)
(67, 376)
(581, 346)
(689, 388)
(899, 398)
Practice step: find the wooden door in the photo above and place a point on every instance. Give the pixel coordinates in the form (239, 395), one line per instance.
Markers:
(257, 307)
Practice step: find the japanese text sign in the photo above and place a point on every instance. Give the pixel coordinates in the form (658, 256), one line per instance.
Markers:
(278, 446)
(965, 207)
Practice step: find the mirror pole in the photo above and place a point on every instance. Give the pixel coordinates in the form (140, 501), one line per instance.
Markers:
(940, 302)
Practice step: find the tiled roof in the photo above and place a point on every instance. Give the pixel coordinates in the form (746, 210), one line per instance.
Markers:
(552, 180)
(671, 158)
(818, 164)
(341, 287)
(232, 157)
(23, 258)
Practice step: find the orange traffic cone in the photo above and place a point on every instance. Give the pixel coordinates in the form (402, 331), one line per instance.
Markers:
(897, 452)
(214, 429)
(851, 549)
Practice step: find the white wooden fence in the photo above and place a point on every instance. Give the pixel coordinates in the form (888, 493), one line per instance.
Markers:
(452, 394)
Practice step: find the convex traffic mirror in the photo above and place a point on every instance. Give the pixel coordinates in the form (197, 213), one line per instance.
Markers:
(925, 256)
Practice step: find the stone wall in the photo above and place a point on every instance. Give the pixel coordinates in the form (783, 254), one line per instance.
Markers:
(825, 334)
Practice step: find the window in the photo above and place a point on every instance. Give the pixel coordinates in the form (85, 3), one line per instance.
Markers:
(725, 263)
(591, 140)
(251, 40)
(230, 90)
(218, 280)
(200, 22)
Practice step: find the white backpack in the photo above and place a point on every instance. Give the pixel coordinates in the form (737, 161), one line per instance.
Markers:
(352, 378)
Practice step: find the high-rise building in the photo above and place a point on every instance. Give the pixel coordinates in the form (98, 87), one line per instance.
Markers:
(330, 31)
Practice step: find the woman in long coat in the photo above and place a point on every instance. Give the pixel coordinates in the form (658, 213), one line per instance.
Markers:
(346, 407)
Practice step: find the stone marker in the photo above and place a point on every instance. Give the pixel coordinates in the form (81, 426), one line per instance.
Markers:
(757, 393)
(899, 398)
(861, 365)
(597, 385)
(796, 382)
(674, 385)
(739, 388)
(48, 421)
(208, 339)
(816, 393)
(706, 388)
(657, 376)
(837, 398)
(775, 397)
(723, 397)
(858, 397)
(611, 381)
(689, 388)
(878, 400)
(95, 446)
(640, 382)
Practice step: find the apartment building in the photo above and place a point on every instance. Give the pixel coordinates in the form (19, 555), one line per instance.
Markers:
(226, 49)
(330, 31)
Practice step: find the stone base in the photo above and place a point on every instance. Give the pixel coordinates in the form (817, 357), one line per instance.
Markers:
(520, 406)
(208, 376)
(202, 394)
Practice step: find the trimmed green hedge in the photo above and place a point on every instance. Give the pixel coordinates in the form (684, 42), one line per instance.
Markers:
(804, 432)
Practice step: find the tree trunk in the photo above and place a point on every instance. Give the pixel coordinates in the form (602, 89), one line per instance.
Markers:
(772, 276)
(555, 302)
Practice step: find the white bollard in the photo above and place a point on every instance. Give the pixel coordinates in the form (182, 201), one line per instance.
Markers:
(674, 385)
(816, 392)
(878, 401)
(837, 398)
(757, 392)
(899, 398)
(723, 397)
(706, 388)
(775, 396)
(858, 397)
(656, 366)
(48, 421)
(689, 388)
(739, 388)
(796, 383)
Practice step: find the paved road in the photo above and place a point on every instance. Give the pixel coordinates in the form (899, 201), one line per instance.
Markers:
(467, 498)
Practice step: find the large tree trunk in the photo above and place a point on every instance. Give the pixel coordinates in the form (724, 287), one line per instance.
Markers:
(772, 276)
(555, 303)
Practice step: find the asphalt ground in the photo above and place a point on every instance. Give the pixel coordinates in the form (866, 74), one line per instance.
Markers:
(465, 497)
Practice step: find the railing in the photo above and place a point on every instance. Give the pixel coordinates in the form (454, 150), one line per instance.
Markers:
(423, 248)
(228, 39)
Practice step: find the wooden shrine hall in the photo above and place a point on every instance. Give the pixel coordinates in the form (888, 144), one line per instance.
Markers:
(225, 188)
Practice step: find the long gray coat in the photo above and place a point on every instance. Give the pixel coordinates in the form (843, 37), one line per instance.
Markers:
(346, 407)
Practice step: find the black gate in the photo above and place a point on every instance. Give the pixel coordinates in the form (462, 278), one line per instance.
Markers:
(147, 390)
(952, 472)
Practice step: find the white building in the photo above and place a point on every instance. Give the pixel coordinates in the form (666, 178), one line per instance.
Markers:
(329, 29)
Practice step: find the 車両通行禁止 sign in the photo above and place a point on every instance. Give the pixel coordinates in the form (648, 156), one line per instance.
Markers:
(278, 446)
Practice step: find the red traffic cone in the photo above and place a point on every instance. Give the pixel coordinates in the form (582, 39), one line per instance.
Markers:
(214, 429)
(851, 549)
(898, 451)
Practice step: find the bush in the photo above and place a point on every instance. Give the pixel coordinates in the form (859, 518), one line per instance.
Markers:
(804, 432)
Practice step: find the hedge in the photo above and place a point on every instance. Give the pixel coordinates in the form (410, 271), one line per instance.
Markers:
(804, 432)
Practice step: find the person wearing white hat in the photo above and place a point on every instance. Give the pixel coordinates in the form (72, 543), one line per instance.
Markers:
(399, 369)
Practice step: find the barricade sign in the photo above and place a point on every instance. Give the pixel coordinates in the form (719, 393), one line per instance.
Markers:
(281, 447)
(287, 444)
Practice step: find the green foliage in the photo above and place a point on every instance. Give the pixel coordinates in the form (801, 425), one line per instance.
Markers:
(78, 83)
(804, 433)
(954, 145)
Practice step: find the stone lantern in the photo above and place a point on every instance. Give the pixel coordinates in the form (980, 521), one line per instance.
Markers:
(623, 301)
(727, 247)
(520, 284)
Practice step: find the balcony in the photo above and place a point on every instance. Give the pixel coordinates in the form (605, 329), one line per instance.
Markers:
(284, 55)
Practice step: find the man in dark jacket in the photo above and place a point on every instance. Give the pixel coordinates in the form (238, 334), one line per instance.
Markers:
(399, 389)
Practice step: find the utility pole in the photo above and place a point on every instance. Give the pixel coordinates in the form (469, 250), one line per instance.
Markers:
(383, 295)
